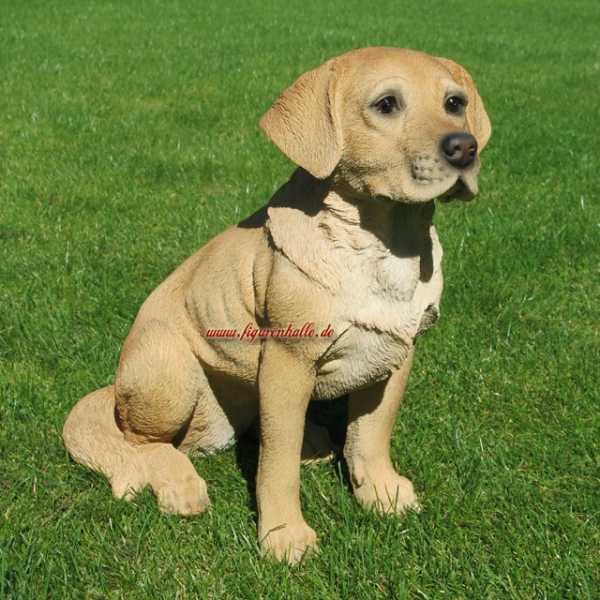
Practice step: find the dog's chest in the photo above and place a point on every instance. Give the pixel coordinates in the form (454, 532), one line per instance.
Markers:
(376, 326)
(379, 299)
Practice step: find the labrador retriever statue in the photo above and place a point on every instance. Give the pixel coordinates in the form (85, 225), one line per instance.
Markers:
(321, 293)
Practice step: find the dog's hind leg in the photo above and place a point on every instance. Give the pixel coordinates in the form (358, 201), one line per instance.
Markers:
(162, 395)
(173, 479)
(94, 439)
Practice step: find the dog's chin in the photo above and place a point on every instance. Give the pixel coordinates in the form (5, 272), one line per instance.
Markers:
(459, 191)
(464, 189)
(406, 190)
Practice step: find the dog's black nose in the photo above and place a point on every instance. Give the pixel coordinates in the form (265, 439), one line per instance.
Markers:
(460, 149)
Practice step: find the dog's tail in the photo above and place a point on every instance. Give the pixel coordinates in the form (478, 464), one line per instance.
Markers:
(94, 439)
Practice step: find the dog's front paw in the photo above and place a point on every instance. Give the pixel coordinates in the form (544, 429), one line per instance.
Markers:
(387, 493)
(287, 542)
(183, 496)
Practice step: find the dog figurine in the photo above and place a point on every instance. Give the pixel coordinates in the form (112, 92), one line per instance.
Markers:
(320, 293)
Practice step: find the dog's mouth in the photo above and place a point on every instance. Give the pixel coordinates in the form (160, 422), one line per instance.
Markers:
(432, 178)
(422, 182)
(464, 189)
(454, 192)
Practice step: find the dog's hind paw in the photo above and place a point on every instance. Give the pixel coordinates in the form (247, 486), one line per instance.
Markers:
(187, 496)
(317, 444)
(173, 480)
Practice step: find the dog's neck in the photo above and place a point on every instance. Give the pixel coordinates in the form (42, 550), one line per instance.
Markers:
(305, 206)
(403, 228)
(361, 221)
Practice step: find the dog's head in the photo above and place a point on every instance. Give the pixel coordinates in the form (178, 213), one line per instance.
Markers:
(385, 122)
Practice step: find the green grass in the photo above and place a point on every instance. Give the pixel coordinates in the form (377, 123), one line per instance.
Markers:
(129, 137)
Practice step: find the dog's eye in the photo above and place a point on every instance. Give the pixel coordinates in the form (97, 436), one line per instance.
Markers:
(454, 105)
(388, 105)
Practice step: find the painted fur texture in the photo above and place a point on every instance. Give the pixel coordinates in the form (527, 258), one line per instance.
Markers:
(347, 245)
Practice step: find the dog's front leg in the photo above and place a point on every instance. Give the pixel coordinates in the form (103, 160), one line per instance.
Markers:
(371, 417)
(286, 383)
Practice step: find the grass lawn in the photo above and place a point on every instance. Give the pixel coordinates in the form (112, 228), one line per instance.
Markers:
(129, 138)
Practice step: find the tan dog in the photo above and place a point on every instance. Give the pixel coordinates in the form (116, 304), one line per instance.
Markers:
(346, 249)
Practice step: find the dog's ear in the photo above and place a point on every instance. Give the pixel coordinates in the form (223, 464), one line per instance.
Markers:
(479, 122)
(302, 122)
